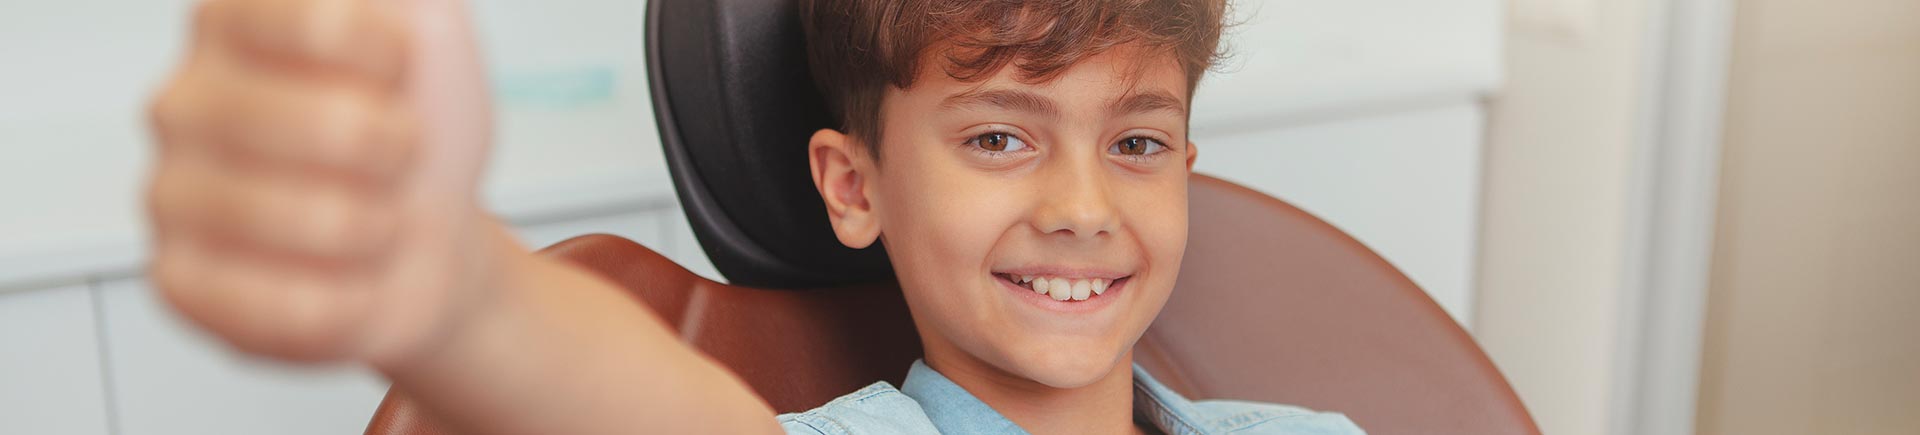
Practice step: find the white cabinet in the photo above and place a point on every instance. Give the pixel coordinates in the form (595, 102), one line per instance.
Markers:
(169, 378)
(50, 379)
(164, 377)
(1298, 61)
(73, 144)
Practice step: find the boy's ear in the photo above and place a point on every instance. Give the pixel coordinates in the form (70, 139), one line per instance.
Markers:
(840, 174)
(1193, 152)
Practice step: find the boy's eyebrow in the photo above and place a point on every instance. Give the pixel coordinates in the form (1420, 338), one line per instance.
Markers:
(1009, 99)
(1149, 101)
(1023, 101)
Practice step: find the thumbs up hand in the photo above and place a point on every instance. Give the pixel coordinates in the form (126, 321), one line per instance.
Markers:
(314, 191)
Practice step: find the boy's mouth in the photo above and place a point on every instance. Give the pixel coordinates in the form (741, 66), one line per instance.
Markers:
(1062, 288)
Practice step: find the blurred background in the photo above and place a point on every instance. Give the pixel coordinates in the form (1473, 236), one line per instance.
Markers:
(1657, 216)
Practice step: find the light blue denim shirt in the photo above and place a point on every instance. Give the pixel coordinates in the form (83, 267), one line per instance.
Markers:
(928, 403)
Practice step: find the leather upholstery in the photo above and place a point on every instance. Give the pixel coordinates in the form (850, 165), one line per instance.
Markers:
(1275, 305)
(1272, 304)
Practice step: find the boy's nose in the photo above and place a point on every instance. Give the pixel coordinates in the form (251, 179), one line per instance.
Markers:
(1075, 199)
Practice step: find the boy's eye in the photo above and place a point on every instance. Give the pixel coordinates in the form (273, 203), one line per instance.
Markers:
(1137, 146)
(998, 142)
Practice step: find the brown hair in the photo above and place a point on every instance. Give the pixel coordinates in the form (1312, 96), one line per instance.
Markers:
(857, 48)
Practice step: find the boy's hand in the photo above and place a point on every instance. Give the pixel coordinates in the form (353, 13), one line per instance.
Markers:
(314, 192)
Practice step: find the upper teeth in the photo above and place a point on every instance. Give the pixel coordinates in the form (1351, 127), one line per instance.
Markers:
(1061, 289)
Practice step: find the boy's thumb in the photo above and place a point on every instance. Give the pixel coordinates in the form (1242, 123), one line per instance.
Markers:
(436, 252)
(447, 87)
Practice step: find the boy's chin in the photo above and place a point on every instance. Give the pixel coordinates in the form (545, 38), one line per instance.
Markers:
(1068, 368)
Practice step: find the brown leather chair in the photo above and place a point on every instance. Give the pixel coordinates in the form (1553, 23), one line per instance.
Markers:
(1272, 304)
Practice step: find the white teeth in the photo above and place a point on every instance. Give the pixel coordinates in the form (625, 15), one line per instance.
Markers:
(1082, 289)
(1059, 289)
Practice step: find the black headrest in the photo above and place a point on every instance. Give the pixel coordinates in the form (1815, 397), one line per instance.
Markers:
(736, 106)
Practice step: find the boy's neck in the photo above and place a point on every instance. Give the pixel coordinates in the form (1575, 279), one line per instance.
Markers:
(1103, 407)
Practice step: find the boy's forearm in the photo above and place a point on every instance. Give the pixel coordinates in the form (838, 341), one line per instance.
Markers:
(560, 350)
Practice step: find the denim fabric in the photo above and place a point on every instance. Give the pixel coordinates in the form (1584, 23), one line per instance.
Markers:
(929, 403)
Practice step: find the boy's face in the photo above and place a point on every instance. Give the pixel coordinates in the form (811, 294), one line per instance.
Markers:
(1079, 181)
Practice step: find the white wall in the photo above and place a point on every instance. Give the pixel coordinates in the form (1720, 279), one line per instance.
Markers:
(1812, 324)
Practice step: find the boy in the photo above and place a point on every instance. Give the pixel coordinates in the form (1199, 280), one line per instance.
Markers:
(1024, 163)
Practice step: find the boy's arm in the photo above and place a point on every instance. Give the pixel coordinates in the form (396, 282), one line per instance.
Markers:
(564, 351)
(314, 199)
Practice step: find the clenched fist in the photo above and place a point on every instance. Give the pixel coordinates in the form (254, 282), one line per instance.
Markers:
(314, 192)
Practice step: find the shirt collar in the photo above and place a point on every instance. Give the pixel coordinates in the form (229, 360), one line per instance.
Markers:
(953, 410)
(1162, 407)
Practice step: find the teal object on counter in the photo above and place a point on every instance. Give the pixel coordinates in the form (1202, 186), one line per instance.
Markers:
(555, 89)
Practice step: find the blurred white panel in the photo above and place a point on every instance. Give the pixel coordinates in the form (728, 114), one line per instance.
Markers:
(1294, 61)
(50, 381)
(169, 379)
(1568, 20)
(1406, 185)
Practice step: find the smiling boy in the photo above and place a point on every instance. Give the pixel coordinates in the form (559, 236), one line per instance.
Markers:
(1024, 163)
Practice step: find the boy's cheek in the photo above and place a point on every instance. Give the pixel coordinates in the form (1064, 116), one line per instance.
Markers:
(1158, 217)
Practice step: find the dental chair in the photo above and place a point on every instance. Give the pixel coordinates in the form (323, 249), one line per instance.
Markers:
(1272, 304)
